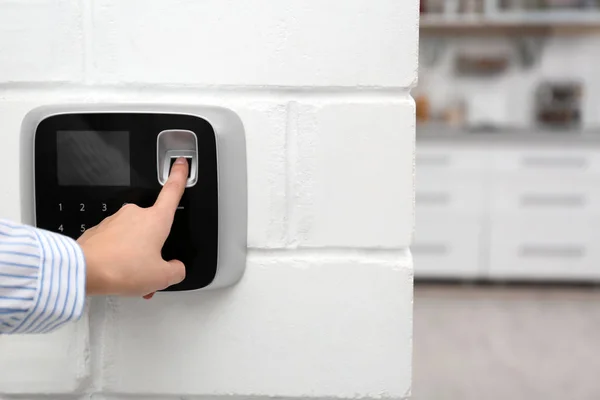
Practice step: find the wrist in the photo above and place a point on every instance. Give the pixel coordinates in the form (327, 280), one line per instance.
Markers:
(97, 280)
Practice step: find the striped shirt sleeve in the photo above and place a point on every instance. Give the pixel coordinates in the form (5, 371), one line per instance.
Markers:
(42, 280)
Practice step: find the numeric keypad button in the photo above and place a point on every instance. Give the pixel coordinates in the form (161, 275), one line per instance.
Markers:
(94, 214)
(69, 230)
(63, 208)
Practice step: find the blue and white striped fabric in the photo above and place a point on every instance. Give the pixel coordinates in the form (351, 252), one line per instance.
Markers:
(42, 279)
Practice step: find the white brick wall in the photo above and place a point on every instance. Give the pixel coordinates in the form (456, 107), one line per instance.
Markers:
(258, 42)
(41, 41)
(325, 308)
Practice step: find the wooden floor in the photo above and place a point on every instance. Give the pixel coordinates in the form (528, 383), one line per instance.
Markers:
(506, 343)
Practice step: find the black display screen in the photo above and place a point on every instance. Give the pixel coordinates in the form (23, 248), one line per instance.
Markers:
(93, 158)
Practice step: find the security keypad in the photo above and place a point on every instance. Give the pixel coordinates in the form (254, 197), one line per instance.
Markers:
(89, 165)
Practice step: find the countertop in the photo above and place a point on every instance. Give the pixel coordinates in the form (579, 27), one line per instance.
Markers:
(508, 135)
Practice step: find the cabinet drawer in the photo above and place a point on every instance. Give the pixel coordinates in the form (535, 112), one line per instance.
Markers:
(540, 162)
(447, 247)
(544, 197)
(452, 195)
(448, 159)
(541, 248)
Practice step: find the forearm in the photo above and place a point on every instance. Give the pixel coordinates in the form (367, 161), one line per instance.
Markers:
(42, 280)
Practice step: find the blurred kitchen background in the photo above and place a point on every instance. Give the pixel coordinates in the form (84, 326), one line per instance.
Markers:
(507, 242)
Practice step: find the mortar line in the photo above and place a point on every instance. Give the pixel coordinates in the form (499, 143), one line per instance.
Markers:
(373, 93)
(291, 130)
(117, 395)
(330, 252)
(98, 320)
(87, 25)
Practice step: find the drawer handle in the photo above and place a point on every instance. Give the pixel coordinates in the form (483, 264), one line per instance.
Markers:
(552, 251)
(550, 200)
(440, 160)
(549, 162)
(432, 249)
(433, 198)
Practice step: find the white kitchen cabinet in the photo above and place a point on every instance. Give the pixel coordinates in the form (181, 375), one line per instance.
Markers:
(514, 210)
(545, 213)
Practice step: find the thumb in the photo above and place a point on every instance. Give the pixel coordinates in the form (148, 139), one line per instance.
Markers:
(175, 271)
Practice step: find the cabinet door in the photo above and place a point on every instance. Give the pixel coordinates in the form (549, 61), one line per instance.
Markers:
(447, 246)
(450, 182)
(450, 196)
(545, 214)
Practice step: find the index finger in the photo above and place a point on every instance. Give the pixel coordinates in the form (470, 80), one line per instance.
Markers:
(171, 193)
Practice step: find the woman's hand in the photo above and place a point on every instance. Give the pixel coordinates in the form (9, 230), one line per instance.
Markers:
(123, 252)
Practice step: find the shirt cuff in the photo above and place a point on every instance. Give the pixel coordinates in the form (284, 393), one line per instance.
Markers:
(61, 285)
